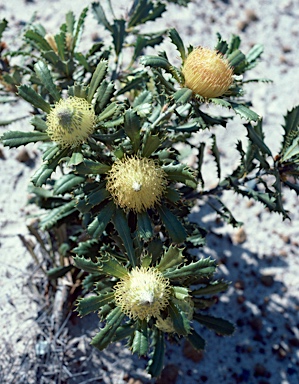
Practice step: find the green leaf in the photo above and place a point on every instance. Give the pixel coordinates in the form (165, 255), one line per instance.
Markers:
(33, 98)
(257, 139)
(67, 183)
(57, 214)
(109, 111)
(150, 144)
(291, 128)
(291, 151)
(112, 267)
(78, 28)
(182, 96)
(37, 38)
(203, 267)
(87, 265)
(216, 155)
(155, 364)
(92, 167)
(181, 173)
(100, 15)
(178, 42)
(180, 293)
(156, 62)
(76, 159)
(179, 319)
(45, 77)
(39, 123)
(196, 340)
(211, 289)
(94, 303)
(106, 334)
(245, 112)
(173, 225)
(55, 273)
(3, 25)
(145, 10)
(140, 340)
(17, 138)
(46, 169)
(254, 53)
(144, 225)
(121, 225)
(171, 258)
(98, 225)
(132, 128)
(98, 76)
(221, 326)
(103, 94)
(118, 35)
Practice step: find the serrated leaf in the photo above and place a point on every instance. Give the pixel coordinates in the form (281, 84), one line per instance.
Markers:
(171, 258)
(98, 225)
(245, 112)
(196, 340)
(55, 273)
(216, 155)
(140, 340)
(87, 265)
(103, 94)
(33, 98)
(112, 267)
(155, 62)
(78, 28)
(211, 289)
(180, 293)
(92, 167)
(57, 214)
(144, 225)
(182, 96)
(39, 123)
(181, 173)
(132, 128)
(254, 53)
(291, 127)
(3, 25)
(98, 76)
(67, 183)
(100, 15)
(38, 39)
(87, 248)
(178, 42)
(45, 77)
(93, 303)
(221, 326)
(202, 267)
(17, 138)
(150, 144)
(118, 35)
(174, 227)
(106, 334)
(179, 319)
(76, 159)
(257, 140)
(121, 225)
(46, 169)
(155, 364)
(109, 111)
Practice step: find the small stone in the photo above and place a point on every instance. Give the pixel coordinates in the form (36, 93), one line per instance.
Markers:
(191, 353)
(239, 284)
(267, 280)
(23, 156)
(239, 236)
(256, 323)
(169, 375)
(2, 154)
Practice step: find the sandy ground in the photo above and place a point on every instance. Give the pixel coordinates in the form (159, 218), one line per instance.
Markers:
(261, 260)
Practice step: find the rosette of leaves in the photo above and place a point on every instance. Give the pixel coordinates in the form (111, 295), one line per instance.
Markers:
(143, 304)
(65, 125)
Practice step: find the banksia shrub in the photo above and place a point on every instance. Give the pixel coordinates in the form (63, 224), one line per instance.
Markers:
(207, 73)
(121, 136)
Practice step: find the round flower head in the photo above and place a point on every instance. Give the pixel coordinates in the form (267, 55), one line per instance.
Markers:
(207, 73)
(71, 121)
(136, 183)
(143, 293)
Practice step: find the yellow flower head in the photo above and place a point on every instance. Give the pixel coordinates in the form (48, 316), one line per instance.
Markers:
(136, 183)
(207, 73)
(166, 325)
(71, 121)
(142, 293)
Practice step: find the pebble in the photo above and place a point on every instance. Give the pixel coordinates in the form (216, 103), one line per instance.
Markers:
(191, 353)
(169, 375)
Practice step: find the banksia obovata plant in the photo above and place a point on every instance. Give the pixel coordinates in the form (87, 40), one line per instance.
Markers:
(136, 183)
(71, 121)
(207, 73)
